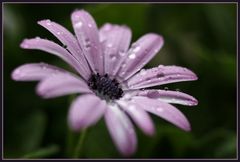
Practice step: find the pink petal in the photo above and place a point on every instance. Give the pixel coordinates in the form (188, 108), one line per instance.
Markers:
(87, 34)
(121, 130)
(35, 72)
(175, 97)
(140, 53)
(61, 84)
(67, 39)
(85, 111)
(115, 42)
(163, 110)
(139, 116)
(160, 75)
(55, 49)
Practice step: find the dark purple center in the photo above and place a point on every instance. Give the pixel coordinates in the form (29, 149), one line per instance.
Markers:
(105, 87)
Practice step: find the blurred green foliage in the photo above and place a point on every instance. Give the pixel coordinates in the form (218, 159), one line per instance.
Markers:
(201, 37)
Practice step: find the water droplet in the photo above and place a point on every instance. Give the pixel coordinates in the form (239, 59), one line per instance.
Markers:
(132, 107)
(165, 88)
(136, 49)
(58, 33)
(123, 65)
(89, 25)
(87, 43)
(107, 27)
(109, 45)
(37, 38)
(78, 24)
(143, 72)
(159, 109)
(132, 56)
(156, 50)
(113, 57)
(160, 66)
(122, 53)
(48, 22)
(134, 45)
(178, 89)
(122, 73)
(173, 100)
(159, 75)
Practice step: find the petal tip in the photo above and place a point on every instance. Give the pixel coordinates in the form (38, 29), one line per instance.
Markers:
(24, 44)
(15, 74)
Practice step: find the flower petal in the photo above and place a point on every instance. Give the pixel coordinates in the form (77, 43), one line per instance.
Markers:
(160, 75)
(115, 42)
(67, 39)
(55, 49)
(87, 34)
(163, 110)
(139, 116)
(175, 97)
(35, 72)
(140, 53)
(61, 84)
(85, 111)
(121, 130)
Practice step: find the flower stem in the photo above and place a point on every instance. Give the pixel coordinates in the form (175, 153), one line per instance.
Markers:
(78, 149)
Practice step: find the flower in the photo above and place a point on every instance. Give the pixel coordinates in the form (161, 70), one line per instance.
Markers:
(109, 77)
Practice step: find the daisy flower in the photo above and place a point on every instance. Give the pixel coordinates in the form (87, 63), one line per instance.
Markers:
(109, 77)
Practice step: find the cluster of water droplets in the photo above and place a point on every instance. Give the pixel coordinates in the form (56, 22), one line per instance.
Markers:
(133, 51)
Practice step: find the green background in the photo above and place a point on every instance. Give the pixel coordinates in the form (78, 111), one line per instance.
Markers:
(201, 37)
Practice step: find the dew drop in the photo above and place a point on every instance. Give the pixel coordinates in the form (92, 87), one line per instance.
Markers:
(159, 75)
(109, 45)
(123, 65)
(134, 45)
(48, 22)
(122, 73)
(121, 53)
(132, 107)
(143, 72)
(113, 57)
(132, 56)
(37, 38)
(156, 51)
(78, 24)
(165, 88)
(159, 109)
(89, 25)
(178, 89)
(136, 49)
(58, 33)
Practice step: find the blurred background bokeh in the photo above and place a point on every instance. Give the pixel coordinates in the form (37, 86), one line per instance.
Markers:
(201, 37)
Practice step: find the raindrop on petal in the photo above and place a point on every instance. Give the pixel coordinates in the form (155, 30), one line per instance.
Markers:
(136, 49)
(48, 22)
(89, 25)
(78, 24)
(132, 56)
(159, 109)
(143, 72)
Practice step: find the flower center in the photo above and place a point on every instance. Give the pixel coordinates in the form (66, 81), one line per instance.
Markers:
(105, 87)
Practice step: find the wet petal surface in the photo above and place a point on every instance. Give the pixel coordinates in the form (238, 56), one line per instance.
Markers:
(160, 75)
(85, 111)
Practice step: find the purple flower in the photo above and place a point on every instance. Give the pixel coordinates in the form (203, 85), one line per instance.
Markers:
(112, 83)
